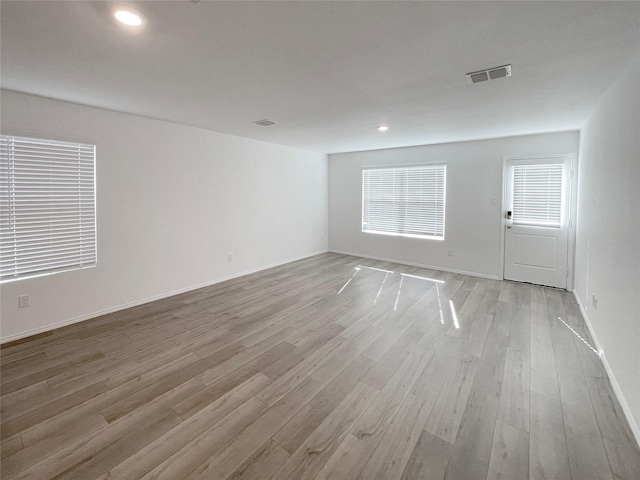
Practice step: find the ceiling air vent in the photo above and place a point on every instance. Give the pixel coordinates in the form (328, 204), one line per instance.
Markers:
(489, 74)
(265, 123)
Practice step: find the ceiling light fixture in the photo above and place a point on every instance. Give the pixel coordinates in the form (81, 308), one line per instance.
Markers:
(383, 128)
(128, 16)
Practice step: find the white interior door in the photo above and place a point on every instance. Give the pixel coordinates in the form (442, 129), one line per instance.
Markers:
(536, 220)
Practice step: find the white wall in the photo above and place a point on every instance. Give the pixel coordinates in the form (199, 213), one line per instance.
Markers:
(473, 226)
(608, 234)
(172, 202)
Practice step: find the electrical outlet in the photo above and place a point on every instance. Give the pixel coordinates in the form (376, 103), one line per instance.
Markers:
(450, 253)
(229, 257)
(23, 301)
(594, 302)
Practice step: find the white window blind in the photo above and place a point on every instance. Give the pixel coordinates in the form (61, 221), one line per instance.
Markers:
(406, 201)
(47, 195)
(537, 194)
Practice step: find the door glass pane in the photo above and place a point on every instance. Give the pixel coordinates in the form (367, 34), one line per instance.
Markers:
(537, 194)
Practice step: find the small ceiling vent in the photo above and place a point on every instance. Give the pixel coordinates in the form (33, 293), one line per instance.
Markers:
(489, 74)
(265, 123)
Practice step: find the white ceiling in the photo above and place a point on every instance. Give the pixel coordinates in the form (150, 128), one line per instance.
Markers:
(328, 72)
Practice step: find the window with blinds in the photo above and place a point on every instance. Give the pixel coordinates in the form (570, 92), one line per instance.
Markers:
(537, 194)
(404, 201)
(47, 195)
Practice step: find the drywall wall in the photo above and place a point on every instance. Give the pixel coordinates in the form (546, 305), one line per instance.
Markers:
(473, 225)
(608, 234)
(172, 202)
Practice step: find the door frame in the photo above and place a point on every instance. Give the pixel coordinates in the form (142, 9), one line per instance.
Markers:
(572, 208)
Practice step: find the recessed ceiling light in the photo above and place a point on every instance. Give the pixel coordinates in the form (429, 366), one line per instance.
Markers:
(383, 128)
(128, 16)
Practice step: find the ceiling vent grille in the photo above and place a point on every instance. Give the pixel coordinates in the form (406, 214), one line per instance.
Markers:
(265, 123)
(489, 74)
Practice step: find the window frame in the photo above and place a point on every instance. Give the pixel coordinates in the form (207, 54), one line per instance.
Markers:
(75, 186)
(397, 232)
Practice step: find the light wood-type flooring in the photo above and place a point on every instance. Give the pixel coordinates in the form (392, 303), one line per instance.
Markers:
(333, 367)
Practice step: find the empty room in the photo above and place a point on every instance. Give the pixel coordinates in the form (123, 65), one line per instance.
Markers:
(311, 240)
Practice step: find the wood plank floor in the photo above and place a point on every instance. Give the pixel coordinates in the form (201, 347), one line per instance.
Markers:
(333, 367)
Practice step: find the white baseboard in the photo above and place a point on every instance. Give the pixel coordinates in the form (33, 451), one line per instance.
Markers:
(421, 265)
(612, 378)
(135, 303)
